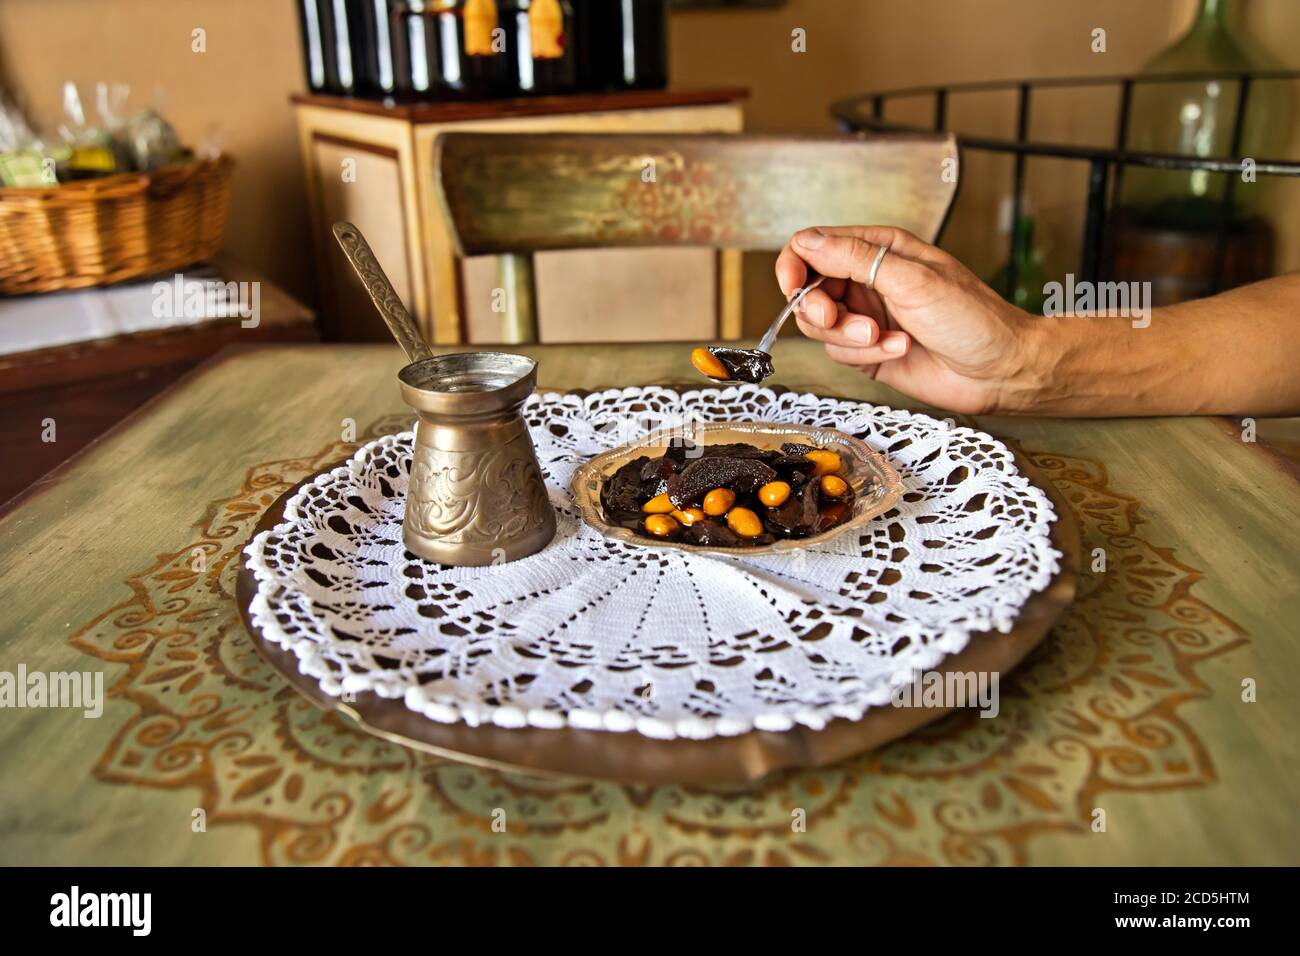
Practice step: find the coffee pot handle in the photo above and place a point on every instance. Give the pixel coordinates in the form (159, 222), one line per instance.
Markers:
(385, 297)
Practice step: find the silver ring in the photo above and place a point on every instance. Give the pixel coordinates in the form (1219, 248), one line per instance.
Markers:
(875, 267)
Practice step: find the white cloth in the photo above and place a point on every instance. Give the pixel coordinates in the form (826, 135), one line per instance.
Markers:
(50, 319)
(592, 633)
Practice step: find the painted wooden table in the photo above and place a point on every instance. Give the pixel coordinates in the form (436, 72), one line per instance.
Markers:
(1166, 697)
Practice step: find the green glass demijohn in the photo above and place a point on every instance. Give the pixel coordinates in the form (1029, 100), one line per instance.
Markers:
(1197, 119)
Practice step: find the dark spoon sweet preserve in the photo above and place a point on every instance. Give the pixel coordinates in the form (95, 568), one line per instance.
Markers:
(723, 364)
(731, 496)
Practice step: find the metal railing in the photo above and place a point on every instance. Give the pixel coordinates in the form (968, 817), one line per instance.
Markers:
(866, 112)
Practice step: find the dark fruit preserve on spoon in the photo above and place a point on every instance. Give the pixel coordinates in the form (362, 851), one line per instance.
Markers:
(732, 365)
(724, 364)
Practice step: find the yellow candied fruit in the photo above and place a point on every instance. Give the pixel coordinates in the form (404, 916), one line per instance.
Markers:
(834, 486)
(774, 493)
(826, 462)
(688, 516)
(718, 502)
(659, 505)
(708, 364)
(661, 526)
(744, 522)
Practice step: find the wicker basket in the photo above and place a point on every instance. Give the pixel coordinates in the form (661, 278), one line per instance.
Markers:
(99, 231)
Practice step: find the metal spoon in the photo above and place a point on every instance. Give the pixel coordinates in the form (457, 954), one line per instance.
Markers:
(382, 294)
(750, 365)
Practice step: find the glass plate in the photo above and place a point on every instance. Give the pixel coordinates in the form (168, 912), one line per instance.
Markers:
(876, 485)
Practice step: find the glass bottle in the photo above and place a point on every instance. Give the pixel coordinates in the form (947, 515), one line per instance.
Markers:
(454, 49)
(369, 25)
(413, 28)
(1031, 281)
(1168, 227)
(345, 78)
(484, 47)
(539, 43)
(1196, 118)
(621, 44)
(640, 45)
(313, 44)
(320, 56)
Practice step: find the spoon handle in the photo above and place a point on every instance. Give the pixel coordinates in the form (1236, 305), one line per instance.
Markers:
(769, 337)
(381, 291)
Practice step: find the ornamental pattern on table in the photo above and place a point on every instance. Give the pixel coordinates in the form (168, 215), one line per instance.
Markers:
(1097, 708)
(602, 634)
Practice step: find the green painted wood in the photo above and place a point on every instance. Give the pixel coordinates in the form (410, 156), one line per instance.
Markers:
(118, 789)
(526, 192)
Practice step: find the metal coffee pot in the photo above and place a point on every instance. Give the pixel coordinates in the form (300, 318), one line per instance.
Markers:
(476, 494)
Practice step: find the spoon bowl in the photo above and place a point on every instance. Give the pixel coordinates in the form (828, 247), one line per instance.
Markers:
(725, 364)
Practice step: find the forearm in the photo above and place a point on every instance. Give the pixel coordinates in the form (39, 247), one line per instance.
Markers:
(1233, 353)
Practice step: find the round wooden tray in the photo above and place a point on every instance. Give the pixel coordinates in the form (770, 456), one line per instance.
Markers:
(633, 758)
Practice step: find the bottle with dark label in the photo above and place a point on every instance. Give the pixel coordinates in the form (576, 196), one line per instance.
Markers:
(621, 44)
(539, 43)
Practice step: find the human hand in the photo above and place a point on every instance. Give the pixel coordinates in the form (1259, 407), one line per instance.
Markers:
(929, 328)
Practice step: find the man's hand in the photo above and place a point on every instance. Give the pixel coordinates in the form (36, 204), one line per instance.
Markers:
(934, 331)
(929, 328)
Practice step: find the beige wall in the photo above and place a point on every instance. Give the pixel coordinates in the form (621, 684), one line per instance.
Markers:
(241, 85)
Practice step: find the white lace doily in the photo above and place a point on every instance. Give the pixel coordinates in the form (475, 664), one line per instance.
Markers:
(599, 634)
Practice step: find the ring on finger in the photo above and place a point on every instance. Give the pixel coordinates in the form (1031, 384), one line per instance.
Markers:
(875, 267)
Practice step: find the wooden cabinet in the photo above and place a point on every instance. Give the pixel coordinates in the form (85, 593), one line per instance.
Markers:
(371, 163)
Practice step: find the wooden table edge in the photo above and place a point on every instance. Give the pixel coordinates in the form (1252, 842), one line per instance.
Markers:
(1231, 425)
(58, 472)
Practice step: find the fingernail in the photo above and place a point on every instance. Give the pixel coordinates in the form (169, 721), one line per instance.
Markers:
(860, 332)
(895, 344)
(810, 238)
